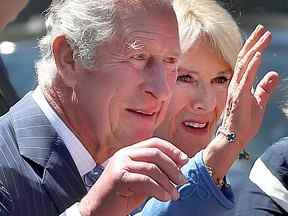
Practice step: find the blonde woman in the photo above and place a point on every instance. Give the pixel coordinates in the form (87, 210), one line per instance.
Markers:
(210, 42)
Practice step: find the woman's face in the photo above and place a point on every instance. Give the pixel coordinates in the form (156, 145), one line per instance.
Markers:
(198, 99)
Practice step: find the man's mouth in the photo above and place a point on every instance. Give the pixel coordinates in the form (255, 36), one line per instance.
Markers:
(142, 112)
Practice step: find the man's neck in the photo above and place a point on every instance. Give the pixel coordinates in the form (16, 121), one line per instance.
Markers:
(71, 115)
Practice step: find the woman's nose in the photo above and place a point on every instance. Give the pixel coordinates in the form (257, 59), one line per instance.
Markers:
(204, 100)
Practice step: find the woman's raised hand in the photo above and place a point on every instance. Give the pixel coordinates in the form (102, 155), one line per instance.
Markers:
(245, 107)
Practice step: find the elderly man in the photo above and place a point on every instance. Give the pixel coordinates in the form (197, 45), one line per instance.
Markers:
(105, 78)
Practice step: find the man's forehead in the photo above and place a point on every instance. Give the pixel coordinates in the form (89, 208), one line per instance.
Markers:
(145, 3)
(155, 43)
(142, 29)
(143, 6)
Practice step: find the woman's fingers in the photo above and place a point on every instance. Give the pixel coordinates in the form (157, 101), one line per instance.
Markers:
(243, 62)
(265, 88)
(153, 171)
(251, 71)
(253, 38)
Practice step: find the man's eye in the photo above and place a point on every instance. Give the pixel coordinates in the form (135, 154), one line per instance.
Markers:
(170, 60)
(221, 80)
(140, 56)
(185, 78)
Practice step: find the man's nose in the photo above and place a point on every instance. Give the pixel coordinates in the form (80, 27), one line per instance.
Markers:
(158, 81)
(204, 100)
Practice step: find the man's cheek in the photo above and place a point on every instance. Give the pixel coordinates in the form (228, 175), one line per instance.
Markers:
(172, 80)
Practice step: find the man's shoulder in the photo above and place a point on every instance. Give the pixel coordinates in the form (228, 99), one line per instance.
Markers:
(276, 149)
(8, 143)
(8, 131)
(277, 154)
(275, 159)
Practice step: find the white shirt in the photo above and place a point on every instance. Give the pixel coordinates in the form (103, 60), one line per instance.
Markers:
(81, 157)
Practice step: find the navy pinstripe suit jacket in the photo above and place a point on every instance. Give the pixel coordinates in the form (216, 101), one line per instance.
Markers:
(37, 174)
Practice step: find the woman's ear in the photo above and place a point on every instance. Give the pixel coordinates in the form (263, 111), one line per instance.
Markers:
(65, 63)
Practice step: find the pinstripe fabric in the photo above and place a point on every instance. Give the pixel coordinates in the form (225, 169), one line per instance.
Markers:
(37, 173)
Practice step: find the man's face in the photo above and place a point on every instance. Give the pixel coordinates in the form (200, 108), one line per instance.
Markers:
(126, 96)
(9, 10)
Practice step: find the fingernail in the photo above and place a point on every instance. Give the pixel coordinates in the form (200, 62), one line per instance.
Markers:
(167, 196)
(183, 156)
(176, 195)
(266, 35)
(181, 178)
(258, 54)
(259, 27)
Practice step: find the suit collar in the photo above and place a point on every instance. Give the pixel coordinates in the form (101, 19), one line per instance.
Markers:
(34, 134)
(61, 178)
(81, 157)
(38, 141)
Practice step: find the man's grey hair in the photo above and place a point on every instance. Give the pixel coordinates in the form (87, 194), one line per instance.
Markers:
(85, 24)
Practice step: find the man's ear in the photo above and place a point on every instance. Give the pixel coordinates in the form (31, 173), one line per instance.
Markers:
(63, 55)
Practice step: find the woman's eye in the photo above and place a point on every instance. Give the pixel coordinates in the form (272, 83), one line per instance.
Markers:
(185, 78)
(140, 56)
(170, 60)
(221, 80)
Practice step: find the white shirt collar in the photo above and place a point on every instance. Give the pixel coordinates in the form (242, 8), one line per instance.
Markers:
(83, 160)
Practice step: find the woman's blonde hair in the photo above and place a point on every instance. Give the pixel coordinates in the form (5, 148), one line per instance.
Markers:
(197, 18)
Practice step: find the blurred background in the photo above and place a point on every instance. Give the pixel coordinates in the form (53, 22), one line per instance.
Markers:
(18, 48)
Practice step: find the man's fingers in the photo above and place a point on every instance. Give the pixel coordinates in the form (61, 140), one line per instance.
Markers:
(265, 88)
(179, 157)
(154, 172)
(160, 159)
(142, 184)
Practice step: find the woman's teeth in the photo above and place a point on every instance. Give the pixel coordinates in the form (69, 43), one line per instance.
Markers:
(195, 124)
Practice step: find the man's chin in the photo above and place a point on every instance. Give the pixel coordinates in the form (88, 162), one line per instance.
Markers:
(137, 136)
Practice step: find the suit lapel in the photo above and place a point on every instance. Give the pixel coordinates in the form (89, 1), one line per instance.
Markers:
(61, 178)
(39, 143)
